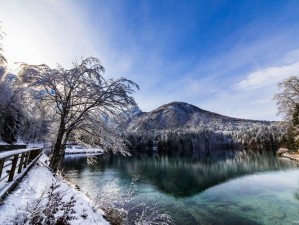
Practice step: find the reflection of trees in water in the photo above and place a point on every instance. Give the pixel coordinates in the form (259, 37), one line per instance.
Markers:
(186, 176)
(296, 194)
(79, 163)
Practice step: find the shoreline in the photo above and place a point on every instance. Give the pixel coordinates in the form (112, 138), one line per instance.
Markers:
(292, 156)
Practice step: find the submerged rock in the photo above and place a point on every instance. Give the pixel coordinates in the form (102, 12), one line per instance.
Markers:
(281, 151)
(116, 216)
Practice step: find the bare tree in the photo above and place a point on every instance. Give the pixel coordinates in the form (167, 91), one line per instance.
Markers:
(79, 97)
(11, 113)
(36, 124)
(288, 106)
(288, 99)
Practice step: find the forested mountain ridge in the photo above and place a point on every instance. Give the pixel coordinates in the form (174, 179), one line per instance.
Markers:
(180, 125)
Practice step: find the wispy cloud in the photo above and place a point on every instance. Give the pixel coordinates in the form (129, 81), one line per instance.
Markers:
(267, 76)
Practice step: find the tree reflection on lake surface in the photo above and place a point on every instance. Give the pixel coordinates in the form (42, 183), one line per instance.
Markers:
(223, 188)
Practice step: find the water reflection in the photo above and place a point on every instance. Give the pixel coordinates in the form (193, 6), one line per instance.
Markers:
(177, 176)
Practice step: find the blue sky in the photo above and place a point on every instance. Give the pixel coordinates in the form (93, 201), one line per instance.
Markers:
(222, 56)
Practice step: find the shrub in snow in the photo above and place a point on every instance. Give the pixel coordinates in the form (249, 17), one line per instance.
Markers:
(50, 208)
(117, 203)
(150, 216)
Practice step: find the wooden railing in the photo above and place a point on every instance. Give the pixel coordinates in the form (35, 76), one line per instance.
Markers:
(4, 148)
(13, 162)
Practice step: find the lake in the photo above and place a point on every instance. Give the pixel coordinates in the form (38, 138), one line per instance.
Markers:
(223, 188)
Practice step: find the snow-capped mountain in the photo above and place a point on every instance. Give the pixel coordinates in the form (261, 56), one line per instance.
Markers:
(183, 116)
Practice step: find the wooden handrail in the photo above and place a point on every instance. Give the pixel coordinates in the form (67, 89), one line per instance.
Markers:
(23, 156)
(15, 152)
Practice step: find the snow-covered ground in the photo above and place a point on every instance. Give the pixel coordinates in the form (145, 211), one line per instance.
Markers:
(32, 189)
(37, 145)
(2, 142)
(77, 149)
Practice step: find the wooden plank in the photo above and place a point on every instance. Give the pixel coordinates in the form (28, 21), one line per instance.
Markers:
(4, 177)
(10, 186)
(14, 152)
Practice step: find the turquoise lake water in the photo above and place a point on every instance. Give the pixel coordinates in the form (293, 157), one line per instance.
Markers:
(239, 188)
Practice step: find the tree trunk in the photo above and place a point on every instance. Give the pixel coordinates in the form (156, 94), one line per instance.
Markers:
(58, 148)
(63, 145)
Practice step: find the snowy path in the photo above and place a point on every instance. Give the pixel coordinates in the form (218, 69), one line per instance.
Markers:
(33, 185)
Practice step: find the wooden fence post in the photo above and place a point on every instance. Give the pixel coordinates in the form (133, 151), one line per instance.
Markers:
(26, 159)
(21, 163)
(13, 168)
(1, 165)
(31, 156)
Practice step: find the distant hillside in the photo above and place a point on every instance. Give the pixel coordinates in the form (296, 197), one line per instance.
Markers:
(179, 125)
